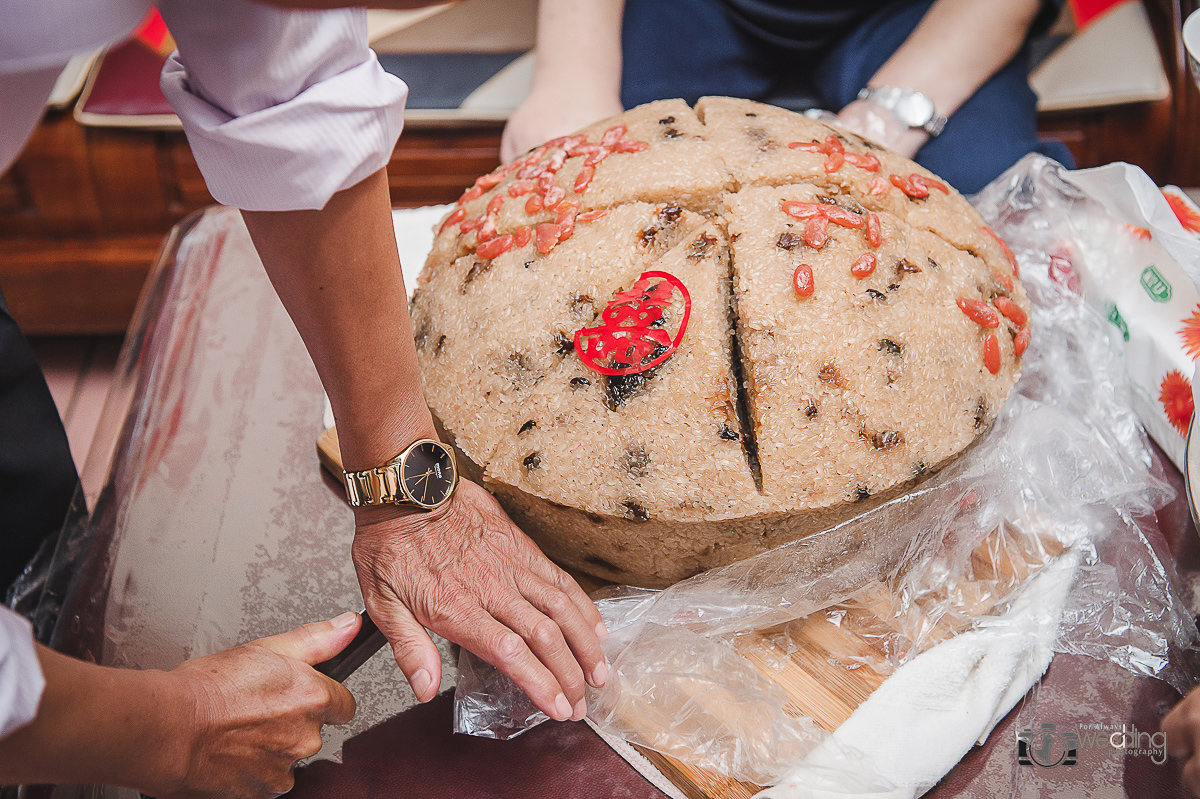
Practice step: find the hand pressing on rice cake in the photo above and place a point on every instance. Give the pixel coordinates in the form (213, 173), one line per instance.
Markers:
(466, 572)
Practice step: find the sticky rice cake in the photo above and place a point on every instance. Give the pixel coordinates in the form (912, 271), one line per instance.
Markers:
(849, 393)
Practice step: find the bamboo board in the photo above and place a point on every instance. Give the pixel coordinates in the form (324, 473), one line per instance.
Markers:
(828, 669)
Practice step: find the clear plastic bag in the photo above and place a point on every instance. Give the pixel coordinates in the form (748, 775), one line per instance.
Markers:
(1061, 479)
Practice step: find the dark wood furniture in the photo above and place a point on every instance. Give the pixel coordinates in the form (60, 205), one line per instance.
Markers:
(83, 211)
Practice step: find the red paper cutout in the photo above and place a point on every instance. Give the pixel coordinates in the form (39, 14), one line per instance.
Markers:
(628, 334)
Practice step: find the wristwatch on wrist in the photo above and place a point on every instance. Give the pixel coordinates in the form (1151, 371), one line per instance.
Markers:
(423, 476)
(909, 106)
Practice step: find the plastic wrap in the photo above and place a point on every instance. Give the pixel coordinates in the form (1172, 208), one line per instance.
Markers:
(1061, 479)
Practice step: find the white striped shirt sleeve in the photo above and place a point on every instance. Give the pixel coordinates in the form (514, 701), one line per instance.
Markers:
(21, 679)
(282, 108)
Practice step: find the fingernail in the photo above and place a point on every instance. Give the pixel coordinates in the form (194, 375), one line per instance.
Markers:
(421, 682)
(562, 708)
(600, 675)
(344, 620)
(580, 710)
(601, 631)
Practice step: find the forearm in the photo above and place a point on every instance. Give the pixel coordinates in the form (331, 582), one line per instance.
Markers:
(96, 725)
(957, 47)
(338, 274)
(579, 45)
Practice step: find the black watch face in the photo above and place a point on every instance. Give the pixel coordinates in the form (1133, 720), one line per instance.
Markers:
(428, 474)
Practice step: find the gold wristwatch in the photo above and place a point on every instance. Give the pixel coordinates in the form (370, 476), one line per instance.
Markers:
(422, 476)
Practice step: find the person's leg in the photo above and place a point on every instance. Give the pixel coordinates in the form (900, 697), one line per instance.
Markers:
(688, 49)
(37, 474)
(987, 135)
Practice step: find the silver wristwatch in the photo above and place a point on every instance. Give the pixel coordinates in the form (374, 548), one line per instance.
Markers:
(910, 107)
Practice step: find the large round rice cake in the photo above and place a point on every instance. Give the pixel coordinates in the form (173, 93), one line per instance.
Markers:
(780, 413)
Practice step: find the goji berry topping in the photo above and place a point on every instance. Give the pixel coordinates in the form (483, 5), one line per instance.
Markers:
(878, 187)
(533, 204)
(1021, 341)
(802, 281)
(584, 178)
(991, 353)
(816, 232)
(495, 247)
(473, 193)
(592, 216)
(1011, 310)
(864, 266)
(548, 235)
(459, 215)
(866, 161)
(521, 236)
(979, 312)
(493, 206)
(874, 231)
(1008, 253)
(520, 187)
(486, 229)
(488, 180)
(908, 187)
(840, 216)
(799, 210)
(833, 149)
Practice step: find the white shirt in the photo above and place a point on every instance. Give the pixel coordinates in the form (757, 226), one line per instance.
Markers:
(282, 110)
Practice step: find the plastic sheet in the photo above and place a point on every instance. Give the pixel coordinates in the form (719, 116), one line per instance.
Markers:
(1062, 477)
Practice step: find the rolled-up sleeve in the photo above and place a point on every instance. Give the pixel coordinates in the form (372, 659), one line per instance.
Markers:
(282, 108)
(21, 679)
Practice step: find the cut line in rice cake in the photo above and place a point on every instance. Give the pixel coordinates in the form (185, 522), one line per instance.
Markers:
(877, 375)
(492, 329)
(654, 153)
(662, 444)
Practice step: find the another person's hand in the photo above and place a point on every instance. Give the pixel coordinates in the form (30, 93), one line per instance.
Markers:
(881, 126)
(1182, 728)
(553, 111)
(257, 710)
(467, 573)
(231, 724)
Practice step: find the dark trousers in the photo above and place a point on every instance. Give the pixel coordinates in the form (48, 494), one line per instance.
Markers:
(692, 48)
(37, 474)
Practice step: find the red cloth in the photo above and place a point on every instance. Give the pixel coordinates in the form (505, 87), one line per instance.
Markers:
(1087, 10)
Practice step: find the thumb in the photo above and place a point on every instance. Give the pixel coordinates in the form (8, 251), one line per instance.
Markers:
(316, 642)
(414, 651)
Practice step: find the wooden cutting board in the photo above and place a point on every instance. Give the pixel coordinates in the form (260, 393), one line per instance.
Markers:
(830, 662)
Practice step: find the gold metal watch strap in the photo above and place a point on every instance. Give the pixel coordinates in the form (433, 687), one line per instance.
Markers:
(378, 486)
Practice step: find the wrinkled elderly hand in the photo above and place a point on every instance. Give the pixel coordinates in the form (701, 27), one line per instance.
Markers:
(467, 573)
(1182, 728)
(550, 112)
(256, 710)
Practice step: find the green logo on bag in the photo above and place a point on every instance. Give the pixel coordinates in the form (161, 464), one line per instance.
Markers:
(1115, 317)
(1156, 285)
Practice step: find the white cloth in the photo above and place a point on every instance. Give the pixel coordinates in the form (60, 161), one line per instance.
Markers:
(921, 721)
(282, 108)
(21, 679)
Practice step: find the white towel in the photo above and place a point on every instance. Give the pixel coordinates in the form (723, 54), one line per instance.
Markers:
(921, 721)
